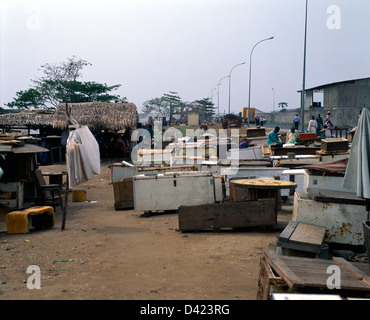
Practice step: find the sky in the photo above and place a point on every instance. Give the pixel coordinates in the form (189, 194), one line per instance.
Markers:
(152, 47)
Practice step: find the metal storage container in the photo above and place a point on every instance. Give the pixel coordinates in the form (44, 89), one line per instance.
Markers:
(343, 222)
(169, 191)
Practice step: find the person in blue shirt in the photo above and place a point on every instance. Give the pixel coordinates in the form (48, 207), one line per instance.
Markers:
(296, 121)
(273, 138)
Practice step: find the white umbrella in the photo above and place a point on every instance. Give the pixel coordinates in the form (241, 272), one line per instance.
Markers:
(357, 176)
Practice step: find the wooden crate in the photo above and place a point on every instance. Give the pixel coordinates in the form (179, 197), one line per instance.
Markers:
(265, 150)
(302, 237)
(123, 194)
(227, 215)
(297, 150)
(307, 136)
(334, 145)
(269, 281)
(255, 132)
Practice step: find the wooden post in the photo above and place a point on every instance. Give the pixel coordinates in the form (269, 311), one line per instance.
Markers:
(67, 186)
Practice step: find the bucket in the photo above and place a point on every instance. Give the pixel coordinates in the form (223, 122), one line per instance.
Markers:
(366, 225)
(78, 195)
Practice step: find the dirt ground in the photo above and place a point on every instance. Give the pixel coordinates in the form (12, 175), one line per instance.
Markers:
(111, 254)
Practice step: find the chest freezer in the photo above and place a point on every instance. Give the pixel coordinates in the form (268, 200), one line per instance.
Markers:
(170, 190)
(121, 171)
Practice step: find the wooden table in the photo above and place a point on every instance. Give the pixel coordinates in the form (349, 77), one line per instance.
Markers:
(255, 189)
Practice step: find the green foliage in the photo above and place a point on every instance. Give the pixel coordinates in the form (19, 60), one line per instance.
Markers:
(171, 102)
(156, 106)
(208, 105)
(59, 84)
(27, 99)
(162, 106)
(282, 105)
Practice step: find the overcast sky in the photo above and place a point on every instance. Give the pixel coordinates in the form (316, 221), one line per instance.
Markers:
(152, 47)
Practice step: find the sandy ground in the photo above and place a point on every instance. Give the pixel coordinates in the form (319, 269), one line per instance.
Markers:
(105, 253)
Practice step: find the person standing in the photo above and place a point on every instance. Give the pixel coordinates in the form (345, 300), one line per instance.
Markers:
(225, 124)
(296, 122)
(312, 125)
(262, 121)
(257, 121)
(329, 123)
(320, 123)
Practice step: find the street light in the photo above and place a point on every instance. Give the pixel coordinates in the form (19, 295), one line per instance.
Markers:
(250, 75)
(210, 95)
(304, 70)
(230, 80)
(218, 95)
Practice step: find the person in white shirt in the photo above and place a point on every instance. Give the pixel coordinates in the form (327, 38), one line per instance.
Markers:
(312, 125)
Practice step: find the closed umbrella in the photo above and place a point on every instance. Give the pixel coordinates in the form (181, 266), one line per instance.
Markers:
(357, 176)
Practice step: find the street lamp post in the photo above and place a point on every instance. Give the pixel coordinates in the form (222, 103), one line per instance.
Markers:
(210, 95)
(230, 81)
(218, 95)
(250, 76)
(304, 70)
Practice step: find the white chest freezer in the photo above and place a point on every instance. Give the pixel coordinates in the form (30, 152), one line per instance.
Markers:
(120, 171)
(171, 190)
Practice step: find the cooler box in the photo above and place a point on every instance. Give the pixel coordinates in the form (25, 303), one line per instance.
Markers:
(169, 191)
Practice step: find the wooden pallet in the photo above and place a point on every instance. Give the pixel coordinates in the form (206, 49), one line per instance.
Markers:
(306, 275)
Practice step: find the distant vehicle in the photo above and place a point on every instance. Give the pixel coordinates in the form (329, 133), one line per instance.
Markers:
(245, 111)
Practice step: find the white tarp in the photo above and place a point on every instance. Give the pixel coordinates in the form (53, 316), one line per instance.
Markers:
(357, 176)
(83, 156)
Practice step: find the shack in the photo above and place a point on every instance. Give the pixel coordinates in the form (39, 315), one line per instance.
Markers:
(38, 124)
(40, 119)
(17, 189)
(107, 121)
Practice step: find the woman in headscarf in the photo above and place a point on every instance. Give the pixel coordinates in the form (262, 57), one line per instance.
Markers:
(329, 123)
(292, 136)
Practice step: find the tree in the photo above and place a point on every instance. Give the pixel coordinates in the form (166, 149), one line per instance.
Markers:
(174, 100)
(282, 105)
(164, 105)
(27, 99)
(208, 105)
(156, 106)
(59, 83)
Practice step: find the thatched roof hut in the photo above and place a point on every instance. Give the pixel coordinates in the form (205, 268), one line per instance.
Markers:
(97, 115)
(27, 118)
